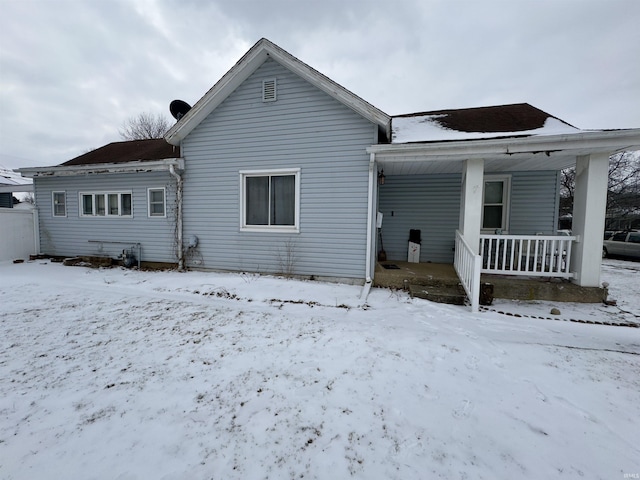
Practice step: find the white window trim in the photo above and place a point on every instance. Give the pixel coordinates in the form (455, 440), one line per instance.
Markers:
(506, 201)
(164, 202)
(53, 203)
(270, 228)
(106, 204)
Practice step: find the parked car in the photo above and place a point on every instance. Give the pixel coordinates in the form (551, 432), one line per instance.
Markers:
(624, 244)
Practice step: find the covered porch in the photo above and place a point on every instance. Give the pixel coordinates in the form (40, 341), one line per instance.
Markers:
(524, 256)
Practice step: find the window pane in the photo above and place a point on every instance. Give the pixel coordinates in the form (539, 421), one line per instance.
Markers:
(156, 203)
(100, 205)
(87, 204)
(493, 192)
(125, 207)
(59, 207)
(157, 196)
(283, 190)
(492, 217)
(257, 201)
(113, 203)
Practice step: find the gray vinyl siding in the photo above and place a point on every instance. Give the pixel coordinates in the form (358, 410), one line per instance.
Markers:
(534, 203)
(71, 235)
(305, 129)
(431, 203)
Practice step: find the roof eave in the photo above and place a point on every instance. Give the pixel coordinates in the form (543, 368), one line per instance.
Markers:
(593, 141)
(248, 64)
(102, 168)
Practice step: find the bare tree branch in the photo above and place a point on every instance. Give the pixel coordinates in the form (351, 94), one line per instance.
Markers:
(144, 126)
(623, 196)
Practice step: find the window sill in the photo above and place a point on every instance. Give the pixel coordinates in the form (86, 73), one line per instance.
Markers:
(268, 229)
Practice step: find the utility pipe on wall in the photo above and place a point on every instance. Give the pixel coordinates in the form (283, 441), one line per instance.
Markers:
(372, 185)
(178, 178)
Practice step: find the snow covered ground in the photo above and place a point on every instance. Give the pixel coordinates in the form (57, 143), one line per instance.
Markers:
(120, 374)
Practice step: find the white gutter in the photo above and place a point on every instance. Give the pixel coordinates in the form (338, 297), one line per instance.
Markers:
(595, 141)
(178, 178)
(102, 168)
(372, 180)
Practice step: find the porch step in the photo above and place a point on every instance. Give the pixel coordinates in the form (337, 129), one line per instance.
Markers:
(451, 294)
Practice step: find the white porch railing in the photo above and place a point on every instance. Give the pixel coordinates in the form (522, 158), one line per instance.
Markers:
(529, 255)
(467, 266)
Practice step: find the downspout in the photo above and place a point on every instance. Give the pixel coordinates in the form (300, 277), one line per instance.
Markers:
(367, 273)
(178, 178)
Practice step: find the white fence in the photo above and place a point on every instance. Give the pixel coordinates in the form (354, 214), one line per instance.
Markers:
(529, 255)
(467, 267)
(18, 233)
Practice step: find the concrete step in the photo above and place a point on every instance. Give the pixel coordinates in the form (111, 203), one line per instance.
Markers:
(451, 294)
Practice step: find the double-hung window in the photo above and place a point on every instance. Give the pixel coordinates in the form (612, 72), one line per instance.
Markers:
(156, 201)
(108, 204)
(495, 208)
(270, 200)
(59, 204)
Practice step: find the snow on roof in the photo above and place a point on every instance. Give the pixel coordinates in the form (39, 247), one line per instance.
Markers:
(8, 177)
(476, 123)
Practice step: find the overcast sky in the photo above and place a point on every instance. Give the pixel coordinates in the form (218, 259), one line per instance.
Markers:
(72, 71)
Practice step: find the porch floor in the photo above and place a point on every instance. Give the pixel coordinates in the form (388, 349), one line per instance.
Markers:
(504, 286)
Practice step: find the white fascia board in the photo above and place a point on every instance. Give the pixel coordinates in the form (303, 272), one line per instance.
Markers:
(584, 142)
(248, 64)
(331, 88)
(216, 95)
(102, 168)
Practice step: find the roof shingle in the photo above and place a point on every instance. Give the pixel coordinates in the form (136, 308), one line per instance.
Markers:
(518, 117)
(129, 151)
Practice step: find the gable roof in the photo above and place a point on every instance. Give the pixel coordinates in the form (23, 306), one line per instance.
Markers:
(248, 64)
(129, 151)
(476, 123)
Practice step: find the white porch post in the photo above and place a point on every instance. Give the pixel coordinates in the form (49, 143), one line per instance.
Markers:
(471, 202)
(589, 209)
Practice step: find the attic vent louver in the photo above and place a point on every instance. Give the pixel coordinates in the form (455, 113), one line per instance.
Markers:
(269, 90)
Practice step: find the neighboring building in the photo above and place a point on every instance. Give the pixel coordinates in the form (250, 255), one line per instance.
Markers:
(278, 169)
(10, 183)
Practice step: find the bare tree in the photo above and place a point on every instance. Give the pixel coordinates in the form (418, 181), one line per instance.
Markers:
(623, 195)
(144, 126)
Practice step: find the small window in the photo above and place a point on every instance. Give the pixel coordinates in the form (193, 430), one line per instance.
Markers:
(634, 238)
(125, 204)
(87, 204)
(269, 90)
(116, 204)
(59, 204)
(270, 200)
(156, 202)
(495, 207)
